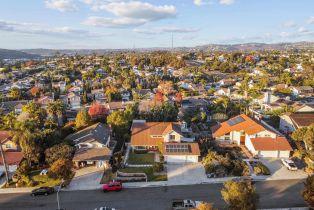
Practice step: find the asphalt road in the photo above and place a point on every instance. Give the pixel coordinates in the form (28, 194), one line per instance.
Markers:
(273, 194)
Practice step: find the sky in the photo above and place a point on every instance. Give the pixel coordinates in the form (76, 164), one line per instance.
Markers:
(116, 24)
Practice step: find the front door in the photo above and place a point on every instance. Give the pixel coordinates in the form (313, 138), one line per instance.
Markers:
(242, 139)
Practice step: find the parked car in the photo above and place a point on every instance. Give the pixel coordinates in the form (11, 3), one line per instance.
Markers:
(105, 208)
(43, 191)
(1, 173)
(289, 164)
(180, 204)
(112, 186)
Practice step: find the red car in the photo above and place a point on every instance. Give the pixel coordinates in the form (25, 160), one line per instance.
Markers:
(112, 186)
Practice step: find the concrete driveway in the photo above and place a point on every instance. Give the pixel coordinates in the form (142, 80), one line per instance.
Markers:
(87, 178)
(185, 173)
(279, 171)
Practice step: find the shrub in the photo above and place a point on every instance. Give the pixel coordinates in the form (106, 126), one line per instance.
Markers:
(24, 181)
(61, 169)
(158, 167)
(144, 151)
(260, 168)
(23, 168)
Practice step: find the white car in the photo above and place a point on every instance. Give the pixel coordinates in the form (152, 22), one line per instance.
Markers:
(105, 208)
(289, 164)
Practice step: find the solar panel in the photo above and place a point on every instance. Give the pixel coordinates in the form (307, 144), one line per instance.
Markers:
(235, 120)
(175, 148)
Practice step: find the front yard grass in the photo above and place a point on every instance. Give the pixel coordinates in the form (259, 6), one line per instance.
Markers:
(148, 171)
(141, 159)
(43, 180)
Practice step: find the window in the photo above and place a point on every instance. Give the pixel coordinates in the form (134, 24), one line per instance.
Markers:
(8, 146)
(172, 137)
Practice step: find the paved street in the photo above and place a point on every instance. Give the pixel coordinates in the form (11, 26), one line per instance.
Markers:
(272, 194)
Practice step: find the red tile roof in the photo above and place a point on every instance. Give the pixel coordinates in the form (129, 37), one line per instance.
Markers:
(271, 144)
(249, 126)
(12, 158)
(4, 135)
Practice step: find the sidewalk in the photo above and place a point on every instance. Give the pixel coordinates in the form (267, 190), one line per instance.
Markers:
(16, 190)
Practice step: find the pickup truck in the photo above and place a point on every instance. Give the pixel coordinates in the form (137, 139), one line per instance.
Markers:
(179, 204)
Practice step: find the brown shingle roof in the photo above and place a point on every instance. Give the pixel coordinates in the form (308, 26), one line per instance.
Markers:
(249, 126)
(90, 154)
(271, 144)
(302, 119)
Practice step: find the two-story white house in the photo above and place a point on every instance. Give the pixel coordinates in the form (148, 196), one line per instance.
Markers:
(93, 146)
(177, 147)
(261, 140)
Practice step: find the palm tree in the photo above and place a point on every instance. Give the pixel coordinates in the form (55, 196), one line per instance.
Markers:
(60, 111)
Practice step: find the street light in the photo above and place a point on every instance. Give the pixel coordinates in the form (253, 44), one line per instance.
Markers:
(59, 188)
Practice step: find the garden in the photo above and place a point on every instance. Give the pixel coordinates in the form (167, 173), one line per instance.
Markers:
(222, 165)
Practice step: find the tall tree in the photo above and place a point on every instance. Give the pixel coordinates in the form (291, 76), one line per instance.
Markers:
(82, 119)
(308, 191)
(239, 195)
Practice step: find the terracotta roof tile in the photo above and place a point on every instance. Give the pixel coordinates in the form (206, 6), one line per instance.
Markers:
(142, 132)
(12, 158)
(4, 135)
(249, 126)
(271, 144)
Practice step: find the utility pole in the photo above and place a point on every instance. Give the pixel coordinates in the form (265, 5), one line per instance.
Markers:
(4, 162)
(58, 201)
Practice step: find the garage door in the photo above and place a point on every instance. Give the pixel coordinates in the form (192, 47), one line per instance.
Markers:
(181, 159)
(274, 154)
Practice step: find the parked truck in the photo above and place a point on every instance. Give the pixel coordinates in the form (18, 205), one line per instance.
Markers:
(180, 204)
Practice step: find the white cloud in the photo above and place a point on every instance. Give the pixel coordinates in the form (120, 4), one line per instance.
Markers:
(226, 2)
(207, 2)
(38, 29)
(113, 22)
(310, 20)
(128, 13)
(290, 24)
(199, 2)
(61, 5)
(166, 29)
(301, 32)
(141, 10)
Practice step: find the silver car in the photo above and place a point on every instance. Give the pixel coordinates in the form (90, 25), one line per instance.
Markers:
(289, 164)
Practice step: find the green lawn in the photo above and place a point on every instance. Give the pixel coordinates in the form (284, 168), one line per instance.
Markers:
(148, 171)
(147, 158)
(43, 180)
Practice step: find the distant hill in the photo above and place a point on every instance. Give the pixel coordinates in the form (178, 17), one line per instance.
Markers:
(209, 47)
(15, 54)
(258, 46)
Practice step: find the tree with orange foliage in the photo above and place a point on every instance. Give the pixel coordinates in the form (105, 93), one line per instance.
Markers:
(159, 97)
(179, 97)
(97, 111)
(35, 91)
